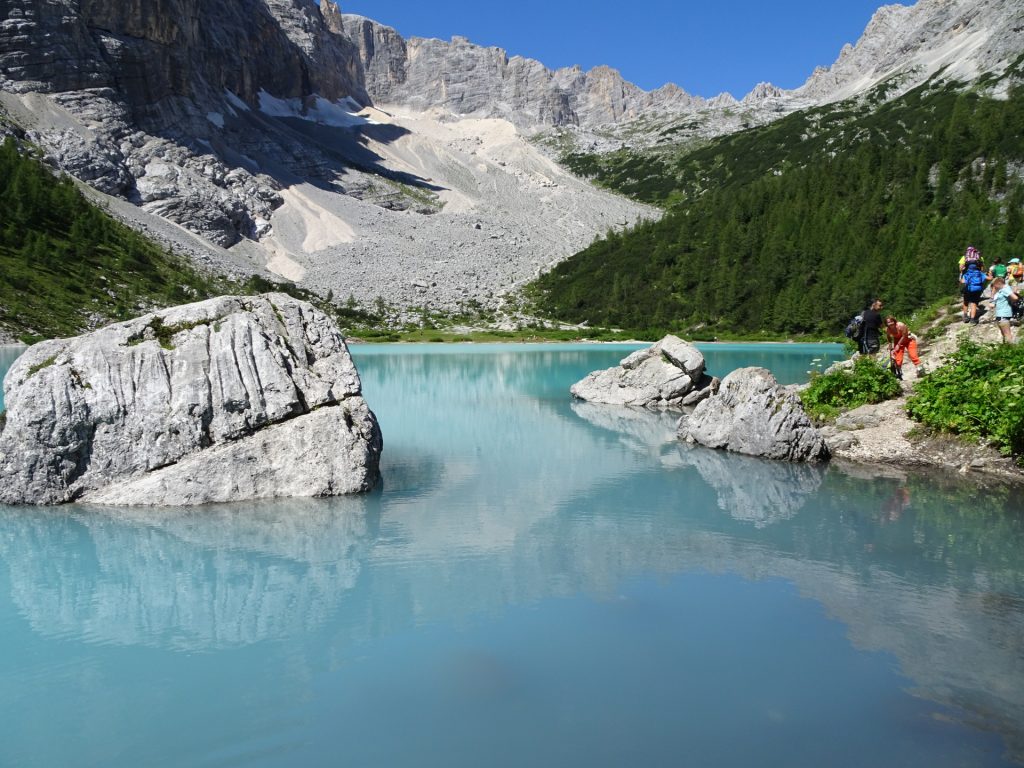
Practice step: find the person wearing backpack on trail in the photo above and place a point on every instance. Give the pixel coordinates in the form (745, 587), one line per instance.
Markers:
(901, 341)
(972, 254)
(1004, 297)
(973, 282)
(870, 328)
(1014, 273)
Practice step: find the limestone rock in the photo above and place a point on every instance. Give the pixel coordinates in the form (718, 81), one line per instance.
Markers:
(468, 79)
(227, 399)
(669, 374)
(752, 414)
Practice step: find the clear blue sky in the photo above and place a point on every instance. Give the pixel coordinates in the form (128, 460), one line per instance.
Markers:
(705, 47)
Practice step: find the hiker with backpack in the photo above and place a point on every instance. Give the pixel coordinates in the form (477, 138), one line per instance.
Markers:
(1015, 273)
(973, 282)
(972, 254)
(901, 341)
(870, 328)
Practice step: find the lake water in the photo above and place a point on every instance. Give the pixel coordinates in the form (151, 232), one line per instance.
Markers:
(538, 582)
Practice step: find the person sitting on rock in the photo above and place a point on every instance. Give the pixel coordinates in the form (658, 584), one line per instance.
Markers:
(1004, 297)
(973, 282)
(902, 340)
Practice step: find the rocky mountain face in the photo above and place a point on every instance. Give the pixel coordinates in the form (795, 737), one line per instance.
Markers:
(250, 125)
(131, 96)
(467, 79)
(244, 124)
(902, 45)
(905, 45)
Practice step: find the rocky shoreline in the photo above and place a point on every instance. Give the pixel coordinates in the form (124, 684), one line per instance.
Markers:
(748, 412)
(883, 433)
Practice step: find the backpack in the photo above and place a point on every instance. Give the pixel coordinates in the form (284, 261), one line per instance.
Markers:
(854, 327)
(974, 280)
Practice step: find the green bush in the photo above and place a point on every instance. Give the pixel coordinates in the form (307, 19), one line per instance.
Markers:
(977, 394)
(868, 381)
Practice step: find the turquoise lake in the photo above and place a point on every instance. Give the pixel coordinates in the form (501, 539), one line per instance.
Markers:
(538, 582)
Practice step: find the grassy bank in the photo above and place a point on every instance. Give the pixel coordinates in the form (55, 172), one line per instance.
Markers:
(978, 394)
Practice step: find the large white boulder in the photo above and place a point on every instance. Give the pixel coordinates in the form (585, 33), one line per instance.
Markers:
(228, 399)
(754, 415)
(669, 374)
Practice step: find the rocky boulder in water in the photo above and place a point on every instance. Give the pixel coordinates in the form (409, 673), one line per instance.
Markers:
(669, 374)
(228, 399)
(754, 415)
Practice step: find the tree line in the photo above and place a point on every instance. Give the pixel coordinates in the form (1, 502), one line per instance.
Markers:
(791, 227)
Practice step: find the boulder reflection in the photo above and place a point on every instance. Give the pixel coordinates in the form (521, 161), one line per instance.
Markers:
(193, 580)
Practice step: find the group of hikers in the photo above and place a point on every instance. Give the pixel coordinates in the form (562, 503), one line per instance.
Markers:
(1003, 281)
(1003, 284)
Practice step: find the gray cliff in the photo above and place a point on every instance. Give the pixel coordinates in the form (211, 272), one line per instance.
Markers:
(228, 399)
(468, 79)
(902, 46)
(151, 101)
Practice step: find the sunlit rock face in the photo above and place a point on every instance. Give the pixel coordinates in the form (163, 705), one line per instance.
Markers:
(668, 374)
(753, 415)
(133, 97)
(228, 399)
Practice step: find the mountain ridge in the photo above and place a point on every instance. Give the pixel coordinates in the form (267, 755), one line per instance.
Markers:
(250, 125)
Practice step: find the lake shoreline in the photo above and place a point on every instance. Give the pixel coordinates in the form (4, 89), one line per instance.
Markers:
(883, 435)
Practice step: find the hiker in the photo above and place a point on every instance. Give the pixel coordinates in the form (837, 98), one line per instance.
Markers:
(902, 340)
(973, 282)
(1004, 297)
(971, 254)
(1014, 273)
(871, 327)
(998, 269)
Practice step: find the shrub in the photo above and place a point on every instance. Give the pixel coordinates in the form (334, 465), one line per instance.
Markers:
(868, 381)
(977, 394)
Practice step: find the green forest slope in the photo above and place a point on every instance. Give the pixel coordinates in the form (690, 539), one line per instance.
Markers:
(789, 228)
(66, 265)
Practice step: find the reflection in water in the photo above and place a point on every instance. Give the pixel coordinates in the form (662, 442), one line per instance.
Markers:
(751, 489)
(505, 561)
(189, 580)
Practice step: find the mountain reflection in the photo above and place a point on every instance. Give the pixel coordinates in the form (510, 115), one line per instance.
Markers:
(897, 562)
